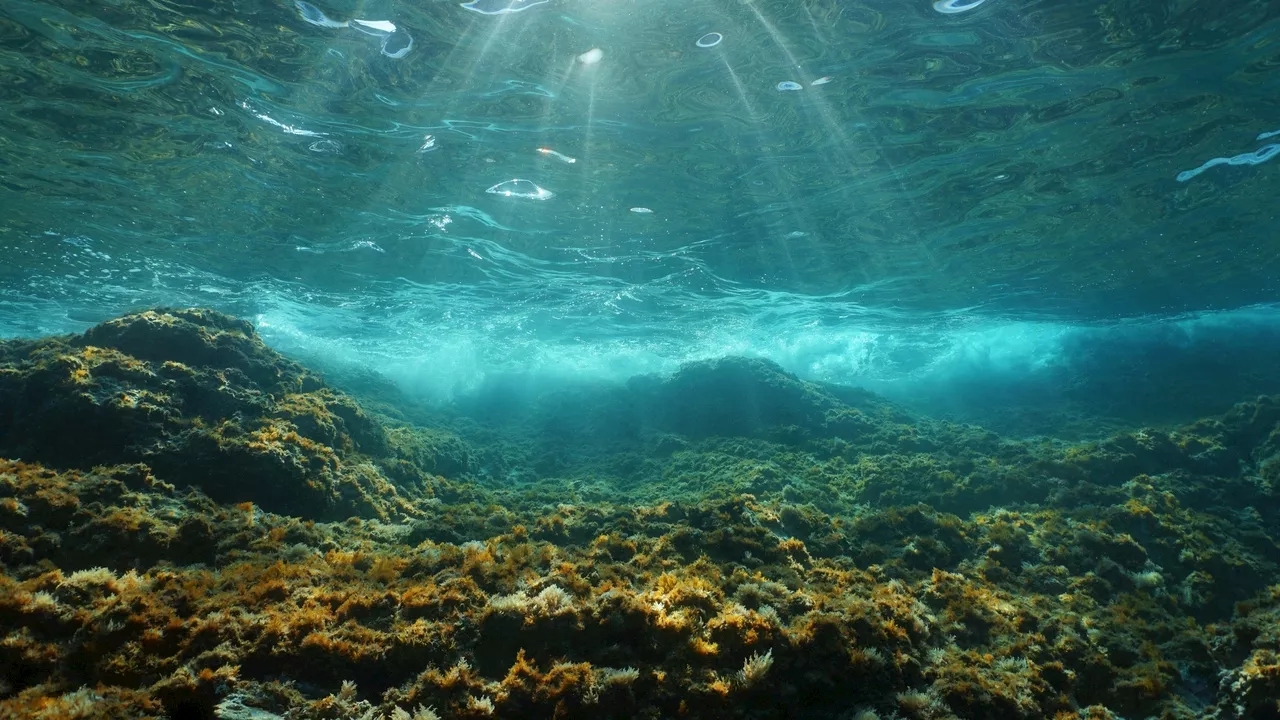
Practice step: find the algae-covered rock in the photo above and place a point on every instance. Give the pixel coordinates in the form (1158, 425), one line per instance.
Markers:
(729, 542)
(201, 338)
(196, 395)
(730, 396)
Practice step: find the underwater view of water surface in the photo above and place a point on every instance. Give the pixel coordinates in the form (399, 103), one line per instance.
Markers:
(415, 359)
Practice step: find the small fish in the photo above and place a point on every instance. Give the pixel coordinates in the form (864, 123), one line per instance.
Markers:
(822, 80)
(641, 210)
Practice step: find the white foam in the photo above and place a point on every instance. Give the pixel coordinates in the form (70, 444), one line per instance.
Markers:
(436, 361)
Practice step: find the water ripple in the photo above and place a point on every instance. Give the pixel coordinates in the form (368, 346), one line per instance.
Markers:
(1019, 157)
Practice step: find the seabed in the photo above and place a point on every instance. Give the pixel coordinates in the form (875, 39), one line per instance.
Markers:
(193, 526)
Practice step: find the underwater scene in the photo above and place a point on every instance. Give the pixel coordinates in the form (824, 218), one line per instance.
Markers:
(640, 359)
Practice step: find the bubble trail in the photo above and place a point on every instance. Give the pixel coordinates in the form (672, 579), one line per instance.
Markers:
(1257, 157)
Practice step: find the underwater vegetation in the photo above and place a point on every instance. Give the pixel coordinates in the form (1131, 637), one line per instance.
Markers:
(193, 526)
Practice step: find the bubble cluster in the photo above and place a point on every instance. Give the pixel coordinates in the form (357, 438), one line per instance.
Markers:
(396, 43)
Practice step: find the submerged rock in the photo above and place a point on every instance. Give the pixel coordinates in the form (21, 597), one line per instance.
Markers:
(201, 338)
(731, 396)
(730, 542)
(199, 398)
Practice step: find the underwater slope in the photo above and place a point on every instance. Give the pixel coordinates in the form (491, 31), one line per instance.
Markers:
(193, 526)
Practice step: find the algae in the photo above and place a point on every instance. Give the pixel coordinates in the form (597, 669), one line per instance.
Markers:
(192, 525)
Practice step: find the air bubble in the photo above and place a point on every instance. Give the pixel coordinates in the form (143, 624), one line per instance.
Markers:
(558, 155)
(313, 15)
(950, 7)
(397, 45)
(521, 189)
(787, 85)
(711, 39)
(1257, 157)
(374, 27)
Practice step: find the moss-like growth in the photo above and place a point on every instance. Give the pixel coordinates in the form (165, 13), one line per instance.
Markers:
(199, 398)
(178, 541)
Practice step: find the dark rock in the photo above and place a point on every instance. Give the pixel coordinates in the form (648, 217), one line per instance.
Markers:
(731, 396)
(198, 397)
(201, 338)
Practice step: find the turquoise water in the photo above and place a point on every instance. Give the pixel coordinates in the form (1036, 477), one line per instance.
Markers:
(1022, 205)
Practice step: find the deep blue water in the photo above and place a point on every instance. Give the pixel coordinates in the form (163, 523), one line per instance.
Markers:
(980, 211)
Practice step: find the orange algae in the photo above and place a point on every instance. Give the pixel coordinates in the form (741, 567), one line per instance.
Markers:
(810, 573)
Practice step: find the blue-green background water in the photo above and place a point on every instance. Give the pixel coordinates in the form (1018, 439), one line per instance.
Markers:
(979, 212)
